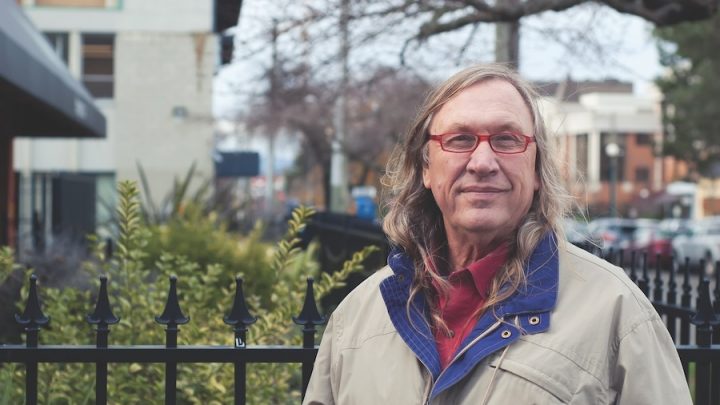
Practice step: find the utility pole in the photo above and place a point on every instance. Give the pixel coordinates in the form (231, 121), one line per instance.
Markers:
(613, 150)
(338, 166)
(270, 169)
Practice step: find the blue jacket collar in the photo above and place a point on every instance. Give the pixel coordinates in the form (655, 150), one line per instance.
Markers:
(536, 297)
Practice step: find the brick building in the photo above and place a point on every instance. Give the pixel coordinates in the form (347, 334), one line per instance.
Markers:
(587, 116)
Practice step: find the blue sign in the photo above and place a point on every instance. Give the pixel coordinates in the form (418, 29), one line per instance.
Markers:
(237, 164)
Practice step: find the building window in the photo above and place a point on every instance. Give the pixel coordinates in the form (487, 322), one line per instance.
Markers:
(59, 43)
(77, 3)
(97, 64)
(642, 174)
(643, 139)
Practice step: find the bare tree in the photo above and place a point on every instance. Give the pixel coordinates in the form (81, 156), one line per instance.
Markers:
(415, 22)
(446, 16)
(381, 100)
(379, 107)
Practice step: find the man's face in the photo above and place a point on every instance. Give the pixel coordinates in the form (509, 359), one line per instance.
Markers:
(482, 195)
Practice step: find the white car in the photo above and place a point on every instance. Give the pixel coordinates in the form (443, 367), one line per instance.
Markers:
(699, 240)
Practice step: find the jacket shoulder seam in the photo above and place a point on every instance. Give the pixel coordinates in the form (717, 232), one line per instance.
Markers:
(611, 270)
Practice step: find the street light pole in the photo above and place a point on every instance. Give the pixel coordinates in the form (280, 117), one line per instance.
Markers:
(613, 151)
(339, 198)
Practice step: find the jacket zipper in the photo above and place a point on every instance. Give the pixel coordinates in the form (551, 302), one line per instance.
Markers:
(489, 330)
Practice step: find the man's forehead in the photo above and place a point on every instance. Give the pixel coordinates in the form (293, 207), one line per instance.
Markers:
(492, 105)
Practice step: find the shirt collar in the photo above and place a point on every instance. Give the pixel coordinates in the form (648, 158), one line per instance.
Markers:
(538, 296)
(539, 293)
(541, 273)
(482, 271)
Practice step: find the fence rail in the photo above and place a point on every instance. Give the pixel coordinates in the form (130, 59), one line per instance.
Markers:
(686, 307)
(170, 354)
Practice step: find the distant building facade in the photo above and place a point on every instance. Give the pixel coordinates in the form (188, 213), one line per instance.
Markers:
(587, 116)
(150, 66)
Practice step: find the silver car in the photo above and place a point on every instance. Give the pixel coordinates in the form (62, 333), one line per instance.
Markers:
(698, 240)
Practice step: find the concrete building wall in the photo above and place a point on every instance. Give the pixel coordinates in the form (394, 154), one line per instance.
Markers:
(160, 115)
(164, 59)
(175, 77)
(126, 15)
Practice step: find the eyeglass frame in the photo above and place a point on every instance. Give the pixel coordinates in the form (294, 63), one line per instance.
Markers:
(482, 137)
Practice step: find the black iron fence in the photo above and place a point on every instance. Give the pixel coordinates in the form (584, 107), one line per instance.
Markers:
(684, 300)
(101, 354)
(687, 309)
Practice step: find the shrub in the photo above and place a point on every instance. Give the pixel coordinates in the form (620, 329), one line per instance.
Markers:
(138, 292)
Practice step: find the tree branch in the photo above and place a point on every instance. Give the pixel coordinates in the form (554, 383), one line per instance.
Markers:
(666, 12)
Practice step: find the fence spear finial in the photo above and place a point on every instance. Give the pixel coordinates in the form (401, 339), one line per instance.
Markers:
(705, 318)
(102, 315)
(717, 286)
(309, 318)
(172, 314)
(309, 315)
(32, 317)
(239, 317)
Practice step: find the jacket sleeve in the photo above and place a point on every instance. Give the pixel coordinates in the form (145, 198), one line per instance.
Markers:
(319, 391)
(648, 369)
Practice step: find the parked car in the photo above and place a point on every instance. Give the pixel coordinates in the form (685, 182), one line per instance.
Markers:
(630, 235)
(698, 240)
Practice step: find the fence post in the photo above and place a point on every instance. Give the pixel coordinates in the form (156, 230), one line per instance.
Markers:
(658, 287)
(240, 319)
(716, 336)
(671, 299)
(705, 319)
(109, 249)
(644, 282)
(633, 271)
(309, 318)
(685, 302)
(32, 319)
(103, 318)
(172, 316)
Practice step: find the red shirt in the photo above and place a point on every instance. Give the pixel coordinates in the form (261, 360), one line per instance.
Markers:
(467, 293)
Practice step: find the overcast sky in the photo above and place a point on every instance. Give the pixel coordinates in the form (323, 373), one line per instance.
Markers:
(628, 49)
(587, 42)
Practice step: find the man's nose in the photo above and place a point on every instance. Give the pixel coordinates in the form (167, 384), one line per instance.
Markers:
(483, 160)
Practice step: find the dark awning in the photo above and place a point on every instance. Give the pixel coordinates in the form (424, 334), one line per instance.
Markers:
(38, 95)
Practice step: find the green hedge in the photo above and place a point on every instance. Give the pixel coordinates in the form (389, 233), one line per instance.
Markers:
(206, 259)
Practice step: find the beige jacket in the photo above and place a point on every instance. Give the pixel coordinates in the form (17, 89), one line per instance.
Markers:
(605, 345)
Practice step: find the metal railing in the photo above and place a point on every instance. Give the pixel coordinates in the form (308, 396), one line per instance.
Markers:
(683, 319)
(685, 322)
(240, 354)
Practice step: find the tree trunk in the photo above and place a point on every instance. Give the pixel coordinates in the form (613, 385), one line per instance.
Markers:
(507, 43)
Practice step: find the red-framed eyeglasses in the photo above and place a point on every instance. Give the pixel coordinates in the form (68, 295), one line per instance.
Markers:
(502, 142)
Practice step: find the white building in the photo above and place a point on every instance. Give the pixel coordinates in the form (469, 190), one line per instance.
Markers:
(586, 122)
(150, 65)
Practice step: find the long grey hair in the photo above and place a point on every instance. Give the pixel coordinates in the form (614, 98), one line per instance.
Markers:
(414, 222)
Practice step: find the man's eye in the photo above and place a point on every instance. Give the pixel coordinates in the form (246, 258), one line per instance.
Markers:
(506, 139)
(460, 139)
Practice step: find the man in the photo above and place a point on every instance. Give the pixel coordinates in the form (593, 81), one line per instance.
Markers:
(483, 301)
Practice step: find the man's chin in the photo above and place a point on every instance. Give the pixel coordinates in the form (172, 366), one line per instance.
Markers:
(486, 223)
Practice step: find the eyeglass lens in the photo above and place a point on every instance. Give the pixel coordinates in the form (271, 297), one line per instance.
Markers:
(501, 142)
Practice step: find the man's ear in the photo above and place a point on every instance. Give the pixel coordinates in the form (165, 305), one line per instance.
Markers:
(426, 177)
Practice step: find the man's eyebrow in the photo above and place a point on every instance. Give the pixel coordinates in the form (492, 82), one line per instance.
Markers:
(507, 126)
(498, 127)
